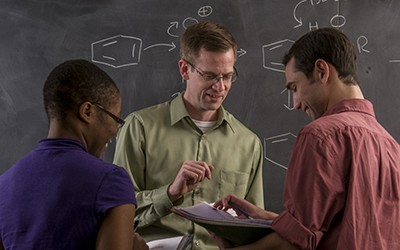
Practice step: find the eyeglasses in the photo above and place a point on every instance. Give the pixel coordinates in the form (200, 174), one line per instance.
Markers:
(116, 118)
(213, 78)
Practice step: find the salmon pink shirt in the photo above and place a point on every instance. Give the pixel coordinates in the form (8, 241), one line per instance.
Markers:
(343, 183)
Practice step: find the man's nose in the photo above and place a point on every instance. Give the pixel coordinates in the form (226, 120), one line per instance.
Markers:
(219, 84)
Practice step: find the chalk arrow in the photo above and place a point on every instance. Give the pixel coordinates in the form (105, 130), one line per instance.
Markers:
(172, 45)
(173, 25)
(241, 52)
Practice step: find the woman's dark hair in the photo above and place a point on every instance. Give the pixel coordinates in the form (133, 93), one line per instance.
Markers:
(73, 82)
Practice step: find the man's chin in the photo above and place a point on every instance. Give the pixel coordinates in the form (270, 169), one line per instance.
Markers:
(214, 107)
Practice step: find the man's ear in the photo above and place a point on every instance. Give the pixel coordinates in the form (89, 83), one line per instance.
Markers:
(86, 112)
(321, 68)
(183, 69)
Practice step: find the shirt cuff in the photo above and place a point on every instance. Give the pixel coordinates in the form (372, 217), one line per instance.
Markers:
(292, 230)
(162, 203)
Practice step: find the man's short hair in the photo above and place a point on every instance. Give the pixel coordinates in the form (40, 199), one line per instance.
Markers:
(329, 44)
(208, 35)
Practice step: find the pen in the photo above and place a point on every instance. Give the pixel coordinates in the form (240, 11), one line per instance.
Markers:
(236, 207)
(135, 225)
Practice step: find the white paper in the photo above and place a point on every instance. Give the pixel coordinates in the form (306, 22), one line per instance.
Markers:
(165, 244)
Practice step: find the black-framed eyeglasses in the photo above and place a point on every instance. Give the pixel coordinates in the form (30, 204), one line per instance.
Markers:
(116, 118)
(214, 78)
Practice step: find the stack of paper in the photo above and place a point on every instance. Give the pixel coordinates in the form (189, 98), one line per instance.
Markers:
(174, 243)
(223, 224)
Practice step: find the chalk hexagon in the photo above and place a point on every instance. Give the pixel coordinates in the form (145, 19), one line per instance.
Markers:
(117, 51)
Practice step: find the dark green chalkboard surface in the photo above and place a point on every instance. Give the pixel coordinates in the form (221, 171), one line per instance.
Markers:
(137, 41)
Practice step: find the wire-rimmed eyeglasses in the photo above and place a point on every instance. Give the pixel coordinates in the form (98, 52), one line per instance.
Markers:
(214, 78)
(120, 122)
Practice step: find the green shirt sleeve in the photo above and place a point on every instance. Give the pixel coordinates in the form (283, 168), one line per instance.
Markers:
(129, 154)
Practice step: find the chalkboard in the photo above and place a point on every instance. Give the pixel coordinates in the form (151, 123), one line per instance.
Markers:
(137, 43)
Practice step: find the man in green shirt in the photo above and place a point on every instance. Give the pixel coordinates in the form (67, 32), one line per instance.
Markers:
(190, 149)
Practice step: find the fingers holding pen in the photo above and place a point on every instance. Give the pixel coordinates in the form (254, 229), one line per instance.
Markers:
(190, 175)
(244, 208)
(238, 204)
(223, 203)
(196, 171)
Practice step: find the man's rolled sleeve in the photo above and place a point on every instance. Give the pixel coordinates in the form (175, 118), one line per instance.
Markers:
(288, 227)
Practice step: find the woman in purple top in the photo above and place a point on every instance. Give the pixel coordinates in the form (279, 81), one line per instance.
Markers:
(61, 195)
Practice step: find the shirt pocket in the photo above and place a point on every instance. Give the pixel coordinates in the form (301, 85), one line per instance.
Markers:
(232, 182)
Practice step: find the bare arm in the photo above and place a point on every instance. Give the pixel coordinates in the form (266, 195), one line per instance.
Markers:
(116, 230)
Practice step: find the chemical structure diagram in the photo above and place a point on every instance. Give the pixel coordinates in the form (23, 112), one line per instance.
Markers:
(126, 50)
(278, 145)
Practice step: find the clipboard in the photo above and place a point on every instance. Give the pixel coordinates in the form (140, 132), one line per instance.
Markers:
(223, 224)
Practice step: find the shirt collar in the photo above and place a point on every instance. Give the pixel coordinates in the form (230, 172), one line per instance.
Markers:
(356, 105)
(178, 112)
(61, 143)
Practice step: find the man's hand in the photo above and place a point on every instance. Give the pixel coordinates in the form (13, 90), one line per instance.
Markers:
(244, 205)
(191, 174)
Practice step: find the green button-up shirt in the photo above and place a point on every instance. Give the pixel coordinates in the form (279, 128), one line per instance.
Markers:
(154, 143)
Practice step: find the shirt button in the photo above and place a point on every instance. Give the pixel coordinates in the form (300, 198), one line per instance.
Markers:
(196, 243)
